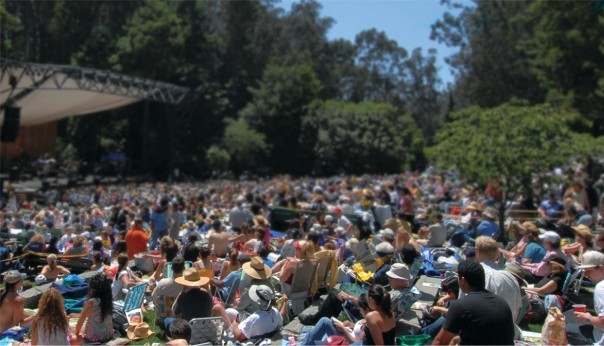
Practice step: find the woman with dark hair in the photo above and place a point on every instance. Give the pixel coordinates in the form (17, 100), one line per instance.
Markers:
(97, 246)
(97, 311)
(124, 277)
(120, 247)
(381, 323)
(353, 332)
(52, 246)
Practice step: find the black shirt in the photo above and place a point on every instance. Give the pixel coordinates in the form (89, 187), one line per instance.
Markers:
(190, 252)
(193, 304)
(558, 278)
(481, 318)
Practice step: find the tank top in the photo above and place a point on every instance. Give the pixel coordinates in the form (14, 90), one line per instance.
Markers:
(98, 330)
(387, 337)
(58, 337)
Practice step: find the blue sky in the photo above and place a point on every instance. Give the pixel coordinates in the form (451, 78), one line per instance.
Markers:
(406, 21)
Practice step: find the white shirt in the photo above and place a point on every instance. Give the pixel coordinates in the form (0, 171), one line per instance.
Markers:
(599, 309)
(260, 323)
(504, 285)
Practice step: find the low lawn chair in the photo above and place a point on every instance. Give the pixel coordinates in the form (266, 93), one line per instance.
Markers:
(134, 300)
(299, 290)
(207, 331)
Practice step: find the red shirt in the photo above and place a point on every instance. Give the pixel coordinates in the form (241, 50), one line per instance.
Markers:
(137, 241)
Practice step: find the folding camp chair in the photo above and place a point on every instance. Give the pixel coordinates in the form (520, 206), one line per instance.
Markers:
(168, 273)
(134, 300)
(207, 330)
(322, 272)
(573, 282)
(299, 290)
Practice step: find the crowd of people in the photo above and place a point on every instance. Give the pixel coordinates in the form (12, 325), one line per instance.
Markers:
(214, 253)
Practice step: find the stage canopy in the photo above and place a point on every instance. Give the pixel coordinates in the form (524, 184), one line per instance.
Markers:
(47, 93)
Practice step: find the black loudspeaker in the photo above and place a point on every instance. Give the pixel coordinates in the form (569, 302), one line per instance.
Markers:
(10, 127)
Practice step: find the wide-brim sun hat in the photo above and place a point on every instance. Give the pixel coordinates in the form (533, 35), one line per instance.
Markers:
(191, 278)
(139, 331)
(257, 269)
(261, 295)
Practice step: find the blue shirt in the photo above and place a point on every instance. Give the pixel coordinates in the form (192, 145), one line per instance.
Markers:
(230, 285)
(535, 252)
(488, 228)
(160, 220)
(552, 209)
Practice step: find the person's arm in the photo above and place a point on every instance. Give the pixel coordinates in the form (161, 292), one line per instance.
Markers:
(223, 270)
(342, 328)
(571, 248)
(286, 271)
(283, 310)
(345, 296)
(34, 336)
(597, 321)
(277, 267)
(176, 306)
(548, 288)
(444, 337)
(64, 271)
(45, 270)
(374, 329)
(159, 271)
(84, 315)
(238, 333)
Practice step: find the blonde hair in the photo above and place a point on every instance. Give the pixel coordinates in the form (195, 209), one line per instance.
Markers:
(488, 247)
(306, 250)
(37, 238)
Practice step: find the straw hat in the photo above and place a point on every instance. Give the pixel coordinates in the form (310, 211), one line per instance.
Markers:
(259, 220)
(257, 269)
(584, 232)
(490, 213)
(191, 278)
(473, 206)
(139, 331)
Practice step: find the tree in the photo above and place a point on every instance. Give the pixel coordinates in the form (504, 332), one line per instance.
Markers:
(489, 67)
(566, 52)
(361, 137)
(245, 146)
(218, 158)
(277, 108)
(507, 144)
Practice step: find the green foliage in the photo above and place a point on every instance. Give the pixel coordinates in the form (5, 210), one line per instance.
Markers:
(245, 146)
(153, 42)
(218, 158)
(363, 137)
(508, 143)
(276, 110)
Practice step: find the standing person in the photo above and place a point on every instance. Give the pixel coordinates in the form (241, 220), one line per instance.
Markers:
(481, 317)
(177, 216)
(97, 311)
(136, 238)
(49, 325)
(239, 215)
(593, 265)
(11, 303)
(160, 218)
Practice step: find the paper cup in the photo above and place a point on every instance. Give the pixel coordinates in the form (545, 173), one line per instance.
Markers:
(579, 307)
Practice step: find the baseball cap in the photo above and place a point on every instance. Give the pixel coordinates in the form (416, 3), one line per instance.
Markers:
(399, 271)
(13, 276)
(550, 236)
(329, 218)
(591, 259)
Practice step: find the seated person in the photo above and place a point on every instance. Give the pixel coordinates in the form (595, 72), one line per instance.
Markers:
(264, 321)
(77, 247)
(287, 267)
(230, 283)
(381, 321)
(353, 332)
(402, 294)
(450, 288)
(190, 252)
(434, 235)
(384, 251)
(97, 261)
(551, 285)
(124, 278)
(255, 272)
(52, 270)
(36, 244)
(11, 303)
(181, 333)
(167, 289)
(193, 301)
(536, 271)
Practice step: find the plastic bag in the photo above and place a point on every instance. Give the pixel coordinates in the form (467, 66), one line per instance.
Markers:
(554, 328)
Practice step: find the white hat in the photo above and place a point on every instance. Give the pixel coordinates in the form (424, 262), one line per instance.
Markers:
(340, 230)
(329, 218)
(262, 295)
(385, 248)
(399, 271)
(40, 279)
(592, 259)
(550, 236)
(388, 233)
